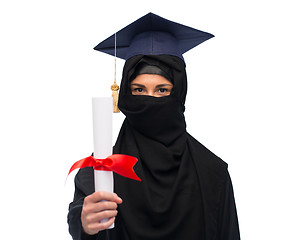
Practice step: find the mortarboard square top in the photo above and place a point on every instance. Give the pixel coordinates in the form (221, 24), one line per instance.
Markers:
(153, 35)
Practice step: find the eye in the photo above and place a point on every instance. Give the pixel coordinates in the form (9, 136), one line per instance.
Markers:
(163, 90)
(138, 90)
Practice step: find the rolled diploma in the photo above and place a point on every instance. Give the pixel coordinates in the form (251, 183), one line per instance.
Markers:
(102, 136)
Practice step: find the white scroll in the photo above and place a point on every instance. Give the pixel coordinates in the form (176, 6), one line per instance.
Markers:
(102, 136)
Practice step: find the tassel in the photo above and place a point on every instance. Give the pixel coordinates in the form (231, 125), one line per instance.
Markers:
(115, 89)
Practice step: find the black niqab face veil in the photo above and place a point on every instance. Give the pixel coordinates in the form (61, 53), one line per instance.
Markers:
(158, 118)
(155, 132)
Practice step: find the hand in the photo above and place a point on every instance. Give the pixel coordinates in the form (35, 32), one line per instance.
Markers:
(95, 210)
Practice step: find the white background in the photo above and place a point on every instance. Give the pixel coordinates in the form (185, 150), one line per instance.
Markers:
(243, 103)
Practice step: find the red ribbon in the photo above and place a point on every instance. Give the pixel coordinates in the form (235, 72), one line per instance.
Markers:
(118, 163)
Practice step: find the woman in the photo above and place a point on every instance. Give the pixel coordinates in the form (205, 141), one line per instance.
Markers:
(186, 191)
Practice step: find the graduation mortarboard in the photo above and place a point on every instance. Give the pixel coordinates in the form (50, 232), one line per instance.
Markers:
(153, 35)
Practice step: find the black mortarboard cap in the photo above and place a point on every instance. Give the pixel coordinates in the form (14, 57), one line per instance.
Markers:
(153, 35)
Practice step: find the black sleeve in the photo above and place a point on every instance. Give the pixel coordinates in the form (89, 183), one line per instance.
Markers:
(84, 186)
(228, 221)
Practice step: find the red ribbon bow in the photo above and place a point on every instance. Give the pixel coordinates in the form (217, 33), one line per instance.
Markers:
(118, 163)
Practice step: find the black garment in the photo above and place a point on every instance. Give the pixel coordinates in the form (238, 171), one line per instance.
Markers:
(186, 190)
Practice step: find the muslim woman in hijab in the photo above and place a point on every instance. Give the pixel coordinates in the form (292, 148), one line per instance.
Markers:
(186, 191)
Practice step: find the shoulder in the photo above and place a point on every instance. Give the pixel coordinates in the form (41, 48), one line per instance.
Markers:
(206, 160)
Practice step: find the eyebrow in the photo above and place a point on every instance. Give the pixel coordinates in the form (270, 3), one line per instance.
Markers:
(138, 85)
(164, 85)
(157, 86)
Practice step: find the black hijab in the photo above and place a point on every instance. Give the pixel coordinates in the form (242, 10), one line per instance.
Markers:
(166, 204)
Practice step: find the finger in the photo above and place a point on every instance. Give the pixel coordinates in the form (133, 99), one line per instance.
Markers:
(95, 227)
(118, 200)
(103, 206)
(99, 196)
(100, 216)
(108, 223)
(104, 225)
(93, 208)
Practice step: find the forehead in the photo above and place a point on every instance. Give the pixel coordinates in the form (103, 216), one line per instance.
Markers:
(149, 79)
